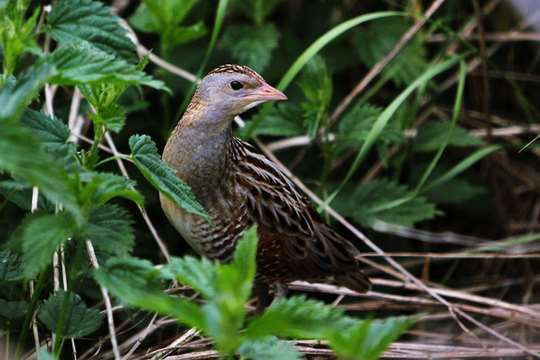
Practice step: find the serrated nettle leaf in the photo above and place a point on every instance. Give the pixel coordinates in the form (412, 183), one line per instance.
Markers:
(12, 309)
(19, 192)
(368, 202)
(79, 63)
(355, 125)
(366, 340)
(170, 12)
(16, 94)
(316, 85)
(19, 157)
(101, 187)
(50, 130)
(89, 22)
(111, 229)
(269, 348)
(200, 274)
(184, 34)
(41, 236)
(251, 45)
(298, 317)
(431, 134)
(244, 261)
(112, 116)
(226, 312)
(145, 156)
(54, 137)
(16, 33)
(284, 119)
(456, 191)
(64, 313)
(380, 36)
(164, 17)
(256, 9)
(137, 283)
(10, 266)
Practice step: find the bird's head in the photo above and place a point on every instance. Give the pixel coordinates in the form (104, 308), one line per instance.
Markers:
(233, 89)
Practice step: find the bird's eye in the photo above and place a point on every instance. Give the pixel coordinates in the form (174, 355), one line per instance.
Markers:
(236, 85)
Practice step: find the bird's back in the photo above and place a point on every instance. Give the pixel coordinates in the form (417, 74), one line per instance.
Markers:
(294, 242)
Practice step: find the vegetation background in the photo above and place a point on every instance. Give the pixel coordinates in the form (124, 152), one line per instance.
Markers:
(412, 124)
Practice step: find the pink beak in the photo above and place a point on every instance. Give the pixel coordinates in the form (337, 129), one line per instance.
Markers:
(266, 92)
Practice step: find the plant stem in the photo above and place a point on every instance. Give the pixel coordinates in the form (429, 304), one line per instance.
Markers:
(30, 314)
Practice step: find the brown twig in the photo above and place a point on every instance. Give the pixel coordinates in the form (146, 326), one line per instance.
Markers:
(379, 66)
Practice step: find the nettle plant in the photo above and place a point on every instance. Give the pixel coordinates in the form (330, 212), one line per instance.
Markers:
(73, 213)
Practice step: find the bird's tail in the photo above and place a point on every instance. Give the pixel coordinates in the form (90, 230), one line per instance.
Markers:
(355, 280)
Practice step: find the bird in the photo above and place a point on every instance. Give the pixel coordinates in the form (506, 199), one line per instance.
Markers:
(240, 187)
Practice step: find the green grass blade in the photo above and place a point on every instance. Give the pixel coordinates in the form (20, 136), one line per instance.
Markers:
(312, 50)
(463, 165)
(387, 114)
(218, 22)
(455, 115)
(327, 38)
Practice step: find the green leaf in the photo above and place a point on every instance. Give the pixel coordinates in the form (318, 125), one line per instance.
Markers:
(158, 14)
(198, 274)
(135, 282)
(269, 348)
(380, 37)
(91, 23)
(251, 45)
(432, 134)
(16, 33)
(226, 311)
(13, 309)
(313, 49)
(49, 130)
(65, 313)
(244, 262)
(257, 10)
(145, 156)
(299, 318)
(43, 354)
(102, 187)
(79, 63)
(325, 39)
(455, 191)
(10, 266)
(367, 339)
(113, 116)
(41, 236)
(19, 157)
(164, 17)
(388, 113)
(316, 84)
(282, 120)
(355, 125)
(54, 137)
(16, 94)
(110, 228)
(369, 202)
(184, 34)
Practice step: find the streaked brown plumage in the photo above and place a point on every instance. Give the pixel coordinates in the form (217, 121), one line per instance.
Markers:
(239, 187)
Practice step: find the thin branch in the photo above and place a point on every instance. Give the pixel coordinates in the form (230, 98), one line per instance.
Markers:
(147, 220)
(106, 300)
(379, 66)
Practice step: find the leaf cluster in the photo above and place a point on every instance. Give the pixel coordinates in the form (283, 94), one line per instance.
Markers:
(226, 288)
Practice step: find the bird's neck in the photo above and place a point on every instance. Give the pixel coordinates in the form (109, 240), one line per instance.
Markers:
(199, 152)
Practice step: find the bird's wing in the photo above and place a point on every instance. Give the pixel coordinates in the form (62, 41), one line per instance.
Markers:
(284, 214)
